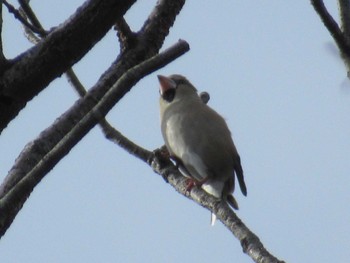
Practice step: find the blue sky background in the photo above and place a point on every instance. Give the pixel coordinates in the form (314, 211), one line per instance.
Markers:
(272, 71)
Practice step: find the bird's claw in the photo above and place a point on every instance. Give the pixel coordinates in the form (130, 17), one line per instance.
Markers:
(190, 183)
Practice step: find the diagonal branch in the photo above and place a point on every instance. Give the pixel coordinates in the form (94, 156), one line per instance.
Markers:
(62, 126)
(344, 13)
(111, 133)
(332, 26)
(22, 19)
(64, 46)
(30, 14)
(125, 36)
(250, 243)
(117, 137)
(13, 195)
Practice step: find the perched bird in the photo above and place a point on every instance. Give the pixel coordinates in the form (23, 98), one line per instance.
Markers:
(198, 140)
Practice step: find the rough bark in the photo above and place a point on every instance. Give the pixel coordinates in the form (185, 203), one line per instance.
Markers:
(33, 70)
(36, 159)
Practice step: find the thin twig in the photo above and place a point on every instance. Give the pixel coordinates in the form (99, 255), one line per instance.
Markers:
(18, 16)
(75, 82)
(115, 136)
(250, 243)
(31, 15)
(110, 132)
(15, 196)
(332, 26)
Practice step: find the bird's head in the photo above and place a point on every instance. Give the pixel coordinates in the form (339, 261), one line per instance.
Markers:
(176, 87)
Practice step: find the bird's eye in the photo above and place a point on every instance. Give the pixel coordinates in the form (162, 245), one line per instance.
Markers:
(169, 95)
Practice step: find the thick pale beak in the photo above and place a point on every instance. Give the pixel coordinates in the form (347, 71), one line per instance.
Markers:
(165, 84)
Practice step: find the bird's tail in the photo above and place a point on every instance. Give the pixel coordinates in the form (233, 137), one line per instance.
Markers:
(240, 177)
(232, 202)
(226, 194)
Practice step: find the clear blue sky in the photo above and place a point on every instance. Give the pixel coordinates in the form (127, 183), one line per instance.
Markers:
(272, 71)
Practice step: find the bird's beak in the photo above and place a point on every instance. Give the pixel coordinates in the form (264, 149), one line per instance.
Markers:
(165, 84)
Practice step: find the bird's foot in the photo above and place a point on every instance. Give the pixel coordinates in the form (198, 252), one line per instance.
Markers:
(190, 183)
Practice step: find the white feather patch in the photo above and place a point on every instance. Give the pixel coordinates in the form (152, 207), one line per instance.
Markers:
(214, 188)
(213, 219)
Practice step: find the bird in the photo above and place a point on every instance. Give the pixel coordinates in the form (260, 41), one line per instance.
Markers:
(198, 140)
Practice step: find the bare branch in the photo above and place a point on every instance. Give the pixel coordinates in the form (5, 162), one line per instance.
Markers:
(22, 19)
(127, 38)
(111, 133)
(344, 13)
(168, 11)
(250, 243)
(63, 47)
(118, 138)
(332, 26)
(30, 14)
(125, 61)
(27, 12)
(41, 155)
(341, 37)
(75, 83)
(30, 35)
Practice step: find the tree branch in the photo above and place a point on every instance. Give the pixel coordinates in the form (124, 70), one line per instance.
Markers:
(22, 19)
(344, 13)
(333, 28)
(250, 243)
(340, 36)
(118, 138)
(39, 157)
(125, 61)
(127, 38)
(31, 15)
(75, 83)
(111, 133)
(64, 46)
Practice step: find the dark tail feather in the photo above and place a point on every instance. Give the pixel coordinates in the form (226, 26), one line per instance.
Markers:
(227, 193)
(239, 174)
(232, 202)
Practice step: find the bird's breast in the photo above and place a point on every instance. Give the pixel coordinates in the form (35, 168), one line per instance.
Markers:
(180, 142)
(174, 136)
